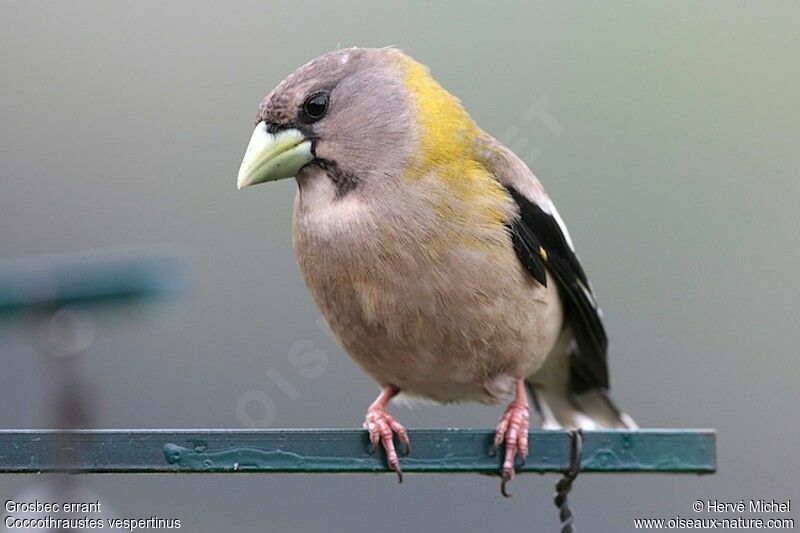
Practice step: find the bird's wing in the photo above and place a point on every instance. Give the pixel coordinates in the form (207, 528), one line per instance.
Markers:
(542, 244)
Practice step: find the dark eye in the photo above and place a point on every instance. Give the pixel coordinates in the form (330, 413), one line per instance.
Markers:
(315, 106)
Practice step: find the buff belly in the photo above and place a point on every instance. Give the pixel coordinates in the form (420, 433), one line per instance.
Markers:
(438, 306)
(448, 331)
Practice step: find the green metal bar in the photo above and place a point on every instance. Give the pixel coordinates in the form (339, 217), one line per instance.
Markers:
(342, 450)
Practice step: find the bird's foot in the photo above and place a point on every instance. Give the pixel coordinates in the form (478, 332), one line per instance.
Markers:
(513, 430)
(382, 427)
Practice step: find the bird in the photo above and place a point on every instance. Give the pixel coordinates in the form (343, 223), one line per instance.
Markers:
(434, 253)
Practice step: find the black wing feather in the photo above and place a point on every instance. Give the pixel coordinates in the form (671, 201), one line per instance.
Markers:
(541, 246)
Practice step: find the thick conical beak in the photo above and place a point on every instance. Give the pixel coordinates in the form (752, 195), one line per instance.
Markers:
(273, 157)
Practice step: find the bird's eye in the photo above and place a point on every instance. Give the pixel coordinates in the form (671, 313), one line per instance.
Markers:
(315, 106)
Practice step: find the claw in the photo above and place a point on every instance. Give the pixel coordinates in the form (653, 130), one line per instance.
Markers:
(506, 477)
(406, 443)
(513, 431)
(402, 434)
(382, 428)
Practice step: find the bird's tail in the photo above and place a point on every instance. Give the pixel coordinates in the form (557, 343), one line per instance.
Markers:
(560, 406)
(589, 410)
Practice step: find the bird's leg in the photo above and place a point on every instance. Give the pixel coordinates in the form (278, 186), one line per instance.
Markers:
(513, 430)
(382, 426)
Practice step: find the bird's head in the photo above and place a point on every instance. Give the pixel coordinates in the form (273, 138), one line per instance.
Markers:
(359, 115)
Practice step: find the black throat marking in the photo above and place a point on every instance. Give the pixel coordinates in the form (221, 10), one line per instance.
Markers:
(343, 181)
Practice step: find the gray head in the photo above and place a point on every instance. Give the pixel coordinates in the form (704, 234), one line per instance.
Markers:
(346, 113)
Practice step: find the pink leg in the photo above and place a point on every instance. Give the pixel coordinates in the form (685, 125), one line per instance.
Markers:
(382, 426)
(513, 430)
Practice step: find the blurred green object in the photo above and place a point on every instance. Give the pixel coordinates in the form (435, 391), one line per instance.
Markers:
(91, 277)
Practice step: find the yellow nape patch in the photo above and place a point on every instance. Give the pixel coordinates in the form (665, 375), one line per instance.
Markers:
(447, 132)
(446, 150)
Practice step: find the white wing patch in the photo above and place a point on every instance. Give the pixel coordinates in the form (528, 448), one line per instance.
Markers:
(549, 207)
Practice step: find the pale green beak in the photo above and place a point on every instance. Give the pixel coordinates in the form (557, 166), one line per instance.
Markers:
(273, 157)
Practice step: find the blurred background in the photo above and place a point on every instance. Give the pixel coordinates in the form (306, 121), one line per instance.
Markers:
(667, 133)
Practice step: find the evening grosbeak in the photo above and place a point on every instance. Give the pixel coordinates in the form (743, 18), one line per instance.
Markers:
(434, 253)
